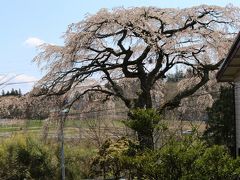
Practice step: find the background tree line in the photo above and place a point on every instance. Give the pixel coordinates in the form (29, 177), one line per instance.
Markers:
(13, 92)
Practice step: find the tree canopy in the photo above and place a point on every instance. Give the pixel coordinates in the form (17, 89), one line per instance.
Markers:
(143, 44)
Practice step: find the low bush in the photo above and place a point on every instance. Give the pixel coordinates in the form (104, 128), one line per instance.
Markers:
(109, 162)
(187, 159)
(78, 161)
(23, 157)
(26, 157)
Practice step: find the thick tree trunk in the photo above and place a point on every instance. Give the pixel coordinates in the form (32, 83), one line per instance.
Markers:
(146, 140)
(144, 101)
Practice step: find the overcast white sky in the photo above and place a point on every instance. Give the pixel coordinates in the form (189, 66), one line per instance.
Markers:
(26, 24)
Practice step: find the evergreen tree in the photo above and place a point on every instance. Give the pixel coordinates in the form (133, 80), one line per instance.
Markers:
(8, 93)
(221, 120)
(12, 92)
(19, 92)
(16, 92)
(3, 93)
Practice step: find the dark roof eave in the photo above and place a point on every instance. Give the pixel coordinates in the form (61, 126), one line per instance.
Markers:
(232, 52)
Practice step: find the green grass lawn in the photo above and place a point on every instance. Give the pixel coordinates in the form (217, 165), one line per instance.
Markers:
(71, 127)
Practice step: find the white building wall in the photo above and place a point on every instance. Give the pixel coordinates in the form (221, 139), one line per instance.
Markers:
(237, 114)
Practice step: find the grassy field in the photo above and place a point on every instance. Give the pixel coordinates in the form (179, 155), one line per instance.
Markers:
(76, 128)
(73, 129)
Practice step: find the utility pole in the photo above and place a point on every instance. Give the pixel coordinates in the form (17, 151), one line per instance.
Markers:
(63, 115)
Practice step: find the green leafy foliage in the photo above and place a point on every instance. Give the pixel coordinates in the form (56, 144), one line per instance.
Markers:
(216, 163)
(186, 159)
(23, 157)
(109, 161)
(144, 121)
(78, 162)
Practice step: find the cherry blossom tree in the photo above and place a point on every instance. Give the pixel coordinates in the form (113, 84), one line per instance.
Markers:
(142, 45)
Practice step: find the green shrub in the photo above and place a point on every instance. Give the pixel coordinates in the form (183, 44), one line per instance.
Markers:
(109, 162)
(185, 159)
(78, 162)
(23, 157)
(216, 163)
(27, 157)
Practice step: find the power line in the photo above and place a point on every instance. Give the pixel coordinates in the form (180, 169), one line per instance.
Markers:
(3, 84)
(14, 83)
